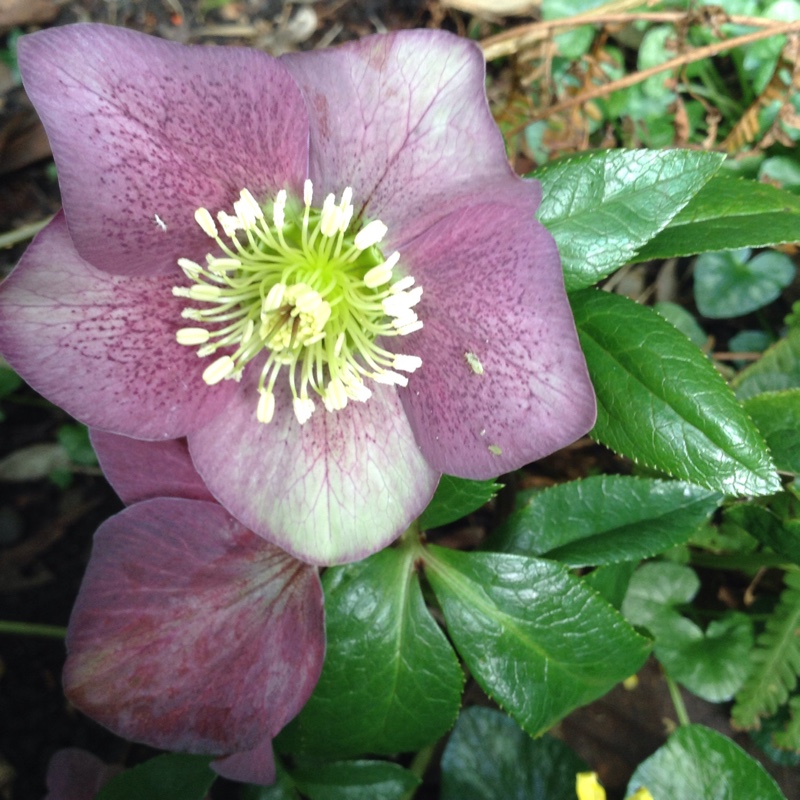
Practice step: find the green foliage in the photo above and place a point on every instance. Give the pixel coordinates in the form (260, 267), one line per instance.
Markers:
(534, 636)
(777, 416)
(697, 762)
(775, 661)
(455, 498)
(789, 737)
(783, 536)
(390, 681)
(662, 403)
(725, 214)
(602, 207)
(710, 663)
(778, 369)
(731, 283)
(606, 519)
(167, 777)
(354, 780)
(488, 757)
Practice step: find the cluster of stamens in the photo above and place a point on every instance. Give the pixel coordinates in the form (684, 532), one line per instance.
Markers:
(303, 288)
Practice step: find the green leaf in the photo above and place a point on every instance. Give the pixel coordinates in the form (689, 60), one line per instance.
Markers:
(713, 663)
(488, 757)
(728, 213)
(778, 369)
(390, 682)
(683, 321)
(611, 581)
(536, 639)
(9, 381)
(75, 440)
(662, 403)
(697, 762)
(777, 416)
(775, 662)
(606, 519)
(168, 777)
(455, 498)
(730, 284)
(603, 207)
(769, 529)
(355, 780)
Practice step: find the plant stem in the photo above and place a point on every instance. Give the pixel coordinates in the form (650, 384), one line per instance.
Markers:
(32, 629)
(419, 766)
(10, 238)
(677, 701)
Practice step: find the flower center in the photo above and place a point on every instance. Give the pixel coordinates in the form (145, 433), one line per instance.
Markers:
(304, 287)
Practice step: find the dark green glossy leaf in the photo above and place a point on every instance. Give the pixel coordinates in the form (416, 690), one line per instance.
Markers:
(712, 663)
(75, 440)
(725, 214)
(778, 369)
(354, 780)
(606, 519)
(697, 762)
(662, 403)
(782, 537)
(683, 321)
(9, 381)
(489, 757)
(730, 283)
(168, 777)
(777, 416)
(536, 639)
(611, 581)
(602, 207)
(390, 681)
(455, 498)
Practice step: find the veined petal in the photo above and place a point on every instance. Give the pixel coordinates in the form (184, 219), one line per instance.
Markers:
(333, 490)
(144, 130)
(102, 346)
(191, 633)
(403, 119)
(252, 766)
(503, 380)
(75, 774)
(140, 470)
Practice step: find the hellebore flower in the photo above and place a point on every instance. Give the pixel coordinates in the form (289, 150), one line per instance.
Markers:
(190, 633)
(319, 268)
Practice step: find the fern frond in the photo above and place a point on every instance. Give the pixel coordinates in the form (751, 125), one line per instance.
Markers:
(775, 661)
(789, 737)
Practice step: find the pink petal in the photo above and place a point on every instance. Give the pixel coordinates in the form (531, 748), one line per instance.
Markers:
(140, 470)
(403, 119)
(254, 766)
(75, 774)
(190, 633)
(142, 127)
(494, 296)
(101, 346)
(333, 490)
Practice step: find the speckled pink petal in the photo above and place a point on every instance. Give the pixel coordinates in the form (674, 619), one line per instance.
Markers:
(75, 774)
(334, 490)
(253, 766)
(190, 633)
(102, 346)
(503, 380)
(403, 119)
(140, 470)
(144, 130)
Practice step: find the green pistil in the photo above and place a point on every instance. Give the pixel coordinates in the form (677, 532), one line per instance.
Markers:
(305, 290)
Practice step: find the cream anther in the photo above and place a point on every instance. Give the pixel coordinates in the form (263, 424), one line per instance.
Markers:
(219, 370)
(303, 409)
(370, 235)
(192, 336)
(335, 397)
(279, 210)
(204, 292)
(252, 204)
(204, 219)
(378, 276)
(230, 224)
(402, 284)
(308, 192)
(390, 378)
(265, 410)
(274, 298)
(407, 363)
(190, 268)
